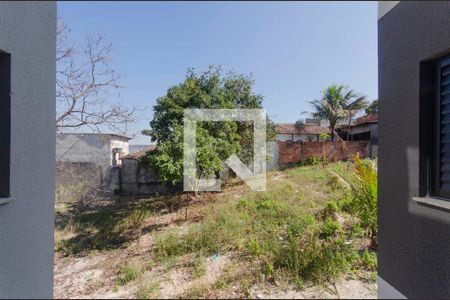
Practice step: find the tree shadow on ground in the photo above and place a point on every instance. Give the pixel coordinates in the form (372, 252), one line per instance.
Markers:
(109, 223)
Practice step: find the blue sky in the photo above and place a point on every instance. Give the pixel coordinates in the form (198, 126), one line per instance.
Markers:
(293, 49)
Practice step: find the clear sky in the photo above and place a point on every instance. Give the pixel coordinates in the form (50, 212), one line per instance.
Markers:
(293, 49)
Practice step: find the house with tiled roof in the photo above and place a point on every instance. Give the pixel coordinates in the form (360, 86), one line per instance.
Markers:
(307, 133)
(365, 128)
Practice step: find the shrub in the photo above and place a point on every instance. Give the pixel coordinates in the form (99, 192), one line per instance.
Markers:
(365, 189)
(330, 227)
(361, 200)
(313, 161)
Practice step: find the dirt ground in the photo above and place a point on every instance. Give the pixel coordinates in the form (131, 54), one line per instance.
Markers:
(94, 275)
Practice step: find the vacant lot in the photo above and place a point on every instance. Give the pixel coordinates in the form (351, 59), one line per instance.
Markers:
(301, 238)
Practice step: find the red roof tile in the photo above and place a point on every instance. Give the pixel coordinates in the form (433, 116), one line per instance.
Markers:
(367, 119)
(307, 129)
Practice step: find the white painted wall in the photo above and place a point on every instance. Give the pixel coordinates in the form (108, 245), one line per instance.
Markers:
(93, 148)
(119, 143)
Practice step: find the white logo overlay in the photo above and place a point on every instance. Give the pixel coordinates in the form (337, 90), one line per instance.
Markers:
(255, 179)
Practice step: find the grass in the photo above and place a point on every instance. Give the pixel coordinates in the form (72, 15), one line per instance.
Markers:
(148, 290)
(196, 292)
(107, 225)
(198, 267)
(128, 273)
(281, 232)
(308, 227)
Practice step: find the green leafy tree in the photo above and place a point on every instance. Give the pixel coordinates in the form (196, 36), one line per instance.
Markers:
(215, 141)
(372, 108)
(336, 103)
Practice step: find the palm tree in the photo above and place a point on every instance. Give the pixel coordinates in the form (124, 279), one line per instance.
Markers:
(372, 108)
(336, 103)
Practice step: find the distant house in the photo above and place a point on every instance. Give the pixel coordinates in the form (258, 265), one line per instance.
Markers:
(326, 123)
(309, 132)
(101, 150)
(364, 129)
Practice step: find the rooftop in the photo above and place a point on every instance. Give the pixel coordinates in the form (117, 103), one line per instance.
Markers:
(141, 153)
(290, 128)
(367, 119)
(97, 134)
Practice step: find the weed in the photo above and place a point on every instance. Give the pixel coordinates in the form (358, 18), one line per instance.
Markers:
(148, 290)
(370, 260)
(133, 221)
(254, 247)
(198, 267)
(196, 292)
(330, 228)
(373, 277)
(299, 282)
(128, 273)
(220, 284)
(357, 231)
(365, 194)
(331, 209)
(269, 270)
(313, 161)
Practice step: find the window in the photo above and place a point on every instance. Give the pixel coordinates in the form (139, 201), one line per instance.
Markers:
(5, 124)
(440, 154)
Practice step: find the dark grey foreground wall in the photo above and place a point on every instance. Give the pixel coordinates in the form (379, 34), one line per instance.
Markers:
(27, 32)
(414, 240)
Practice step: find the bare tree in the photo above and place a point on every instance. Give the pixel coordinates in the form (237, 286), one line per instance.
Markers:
(87, 85)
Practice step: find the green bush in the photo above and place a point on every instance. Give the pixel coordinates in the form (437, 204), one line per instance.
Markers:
(330, 227)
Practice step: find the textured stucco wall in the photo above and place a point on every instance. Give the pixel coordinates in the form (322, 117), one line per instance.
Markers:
(27, 32)
(414, 247)
(84, 148)
(92, 148)
(88, 148)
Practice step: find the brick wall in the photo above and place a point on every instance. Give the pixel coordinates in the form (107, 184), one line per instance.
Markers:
(292, 152)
